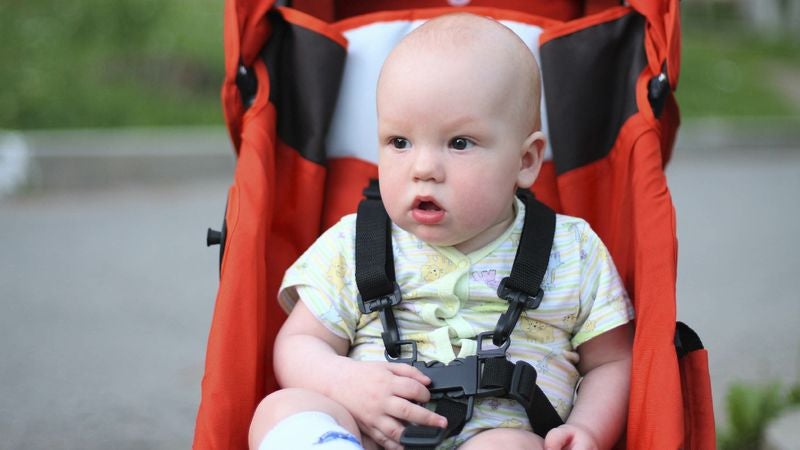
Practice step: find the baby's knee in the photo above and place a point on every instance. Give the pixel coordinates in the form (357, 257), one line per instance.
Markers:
(288, 402)
(505, 438)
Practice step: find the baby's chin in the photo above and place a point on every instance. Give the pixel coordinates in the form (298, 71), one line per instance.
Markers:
(430, 234)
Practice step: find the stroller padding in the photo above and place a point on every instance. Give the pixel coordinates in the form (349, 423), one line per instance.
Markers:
(369, 43)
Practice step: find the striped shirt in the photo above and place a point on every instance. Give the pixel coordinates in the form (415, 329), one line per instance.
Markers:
(449, 298)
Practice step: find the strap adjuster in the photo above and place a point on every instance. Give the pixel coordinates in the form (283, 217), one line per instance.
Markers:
(523, 384)
(380, 302)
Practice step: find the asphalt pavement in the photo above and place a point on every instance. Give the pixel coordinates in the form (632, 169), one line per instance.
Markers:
(107, 288)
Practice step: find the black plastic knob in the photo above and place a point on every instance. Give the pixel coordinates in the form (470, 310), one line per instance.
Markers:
(213, 237)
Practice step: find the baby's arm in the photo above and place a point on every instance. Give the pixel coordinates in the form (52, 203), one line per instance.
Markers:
(600, 411)
(379, 395)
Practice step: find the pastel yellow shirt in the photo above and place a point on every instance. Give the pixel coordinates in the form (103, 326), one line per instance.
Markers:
(450, 297)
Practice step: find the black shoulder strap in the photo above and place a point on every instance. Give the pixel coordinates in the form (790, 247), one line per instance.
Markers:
(522, 288)
(536, 242)
(378, 290)
(374, 256)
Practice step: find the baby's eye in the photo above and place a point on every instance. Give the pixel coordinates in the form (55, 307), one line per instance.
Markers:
(461, 143)
(399, 143)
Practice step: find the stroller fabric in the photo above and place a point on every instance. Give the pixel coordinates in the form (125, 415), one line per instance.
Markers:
(297, 93)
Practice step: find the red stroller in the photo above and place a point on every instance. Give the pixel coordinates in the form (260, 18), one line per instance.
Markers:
(297, 75)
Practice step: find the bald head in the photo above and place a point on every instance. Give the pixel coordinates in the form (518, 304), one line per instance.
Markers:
(483, 54)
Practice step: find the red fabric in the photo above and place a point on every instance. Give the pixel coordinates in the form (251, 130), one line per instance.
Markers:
(279, 202)
(698, 406)
(331, 10)
(273, 214)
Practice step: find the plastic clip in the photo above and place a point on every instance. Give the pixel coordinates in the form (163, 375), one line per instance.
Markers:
(380, 302)
(518, 301)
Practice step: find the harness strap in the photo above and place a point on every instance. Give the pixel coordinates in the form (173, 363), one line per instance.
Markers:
(374, 256)
(522, 288)
(519, 383)
(375, 276)
(378, 291)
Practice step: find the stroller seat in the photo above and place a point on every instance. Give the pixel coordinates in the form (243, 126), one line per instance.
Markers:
(299, 101)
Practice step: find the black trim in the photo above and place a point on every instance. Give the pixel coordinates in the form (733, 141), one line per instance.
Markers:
(686, 340)
(589, 79)
(305, 70)
(658, 89)
(247, 83)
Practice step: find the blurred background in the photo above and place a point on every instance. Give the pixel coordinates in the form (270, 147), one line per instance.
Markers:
(114, 160)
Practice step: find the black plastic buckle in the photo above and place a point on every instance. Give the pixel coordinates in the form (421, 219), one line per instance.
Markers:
(523, 384)
(518, 301)
(457, 379)
(416, 436)
(381, 302)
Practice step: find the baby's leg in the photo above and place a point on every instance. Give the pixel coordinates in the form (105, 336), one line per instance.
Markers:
(505, 438)
(300, 413)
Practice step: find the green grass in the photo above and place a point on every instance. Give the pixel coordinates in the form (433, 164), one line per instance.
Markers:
(95, 63)
(100, 63)
(750, 409)
(728, 72)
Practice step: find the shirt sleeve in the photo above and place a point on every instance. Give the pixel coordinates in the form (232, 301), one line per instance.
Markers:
(323, 279)
(605, 304)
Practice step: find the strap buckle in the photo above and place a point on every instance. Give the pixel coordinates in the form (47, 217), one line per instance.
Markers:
(381, 302)
(457, 379)
(518, 301)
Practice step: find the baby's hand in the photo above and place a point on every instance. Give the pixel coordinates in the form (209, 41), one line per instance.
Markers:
(381, 396)
(570, 437)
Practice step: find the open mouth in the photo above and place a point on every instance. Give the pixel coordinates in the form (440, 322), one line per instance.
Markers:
(426, 204)
(427, 212)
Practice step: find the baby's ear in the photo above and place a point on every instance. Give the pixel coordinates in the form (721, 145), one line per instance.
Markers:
(532, 157)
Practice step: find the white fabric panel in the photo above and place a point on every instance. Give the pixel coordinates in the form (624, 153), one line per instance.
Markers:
(354, 128)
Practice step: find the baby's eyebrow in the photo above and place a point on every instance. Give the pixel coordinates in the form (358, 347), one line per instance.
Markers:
(464, 119)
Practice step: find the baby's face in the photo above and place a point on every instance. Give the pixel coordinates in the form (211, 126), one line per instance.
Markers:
(452, 151)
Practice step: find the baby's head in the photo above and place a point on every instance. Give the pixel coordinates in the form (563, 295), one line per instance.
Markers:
(458, 129)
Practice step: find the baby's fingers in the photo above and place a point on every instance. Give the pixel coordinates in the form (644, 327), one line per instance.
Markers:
(410, 412)
(570, 437)
(410, 389)
(405, 370)
(387, 433)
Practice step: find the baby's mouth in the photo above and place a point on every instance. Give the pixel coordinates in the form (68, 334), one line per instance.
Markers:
(426, 204)
(426, 211)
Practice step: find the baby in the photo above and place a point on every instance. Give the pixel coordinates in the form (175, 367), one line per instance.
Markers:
(459, 132)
